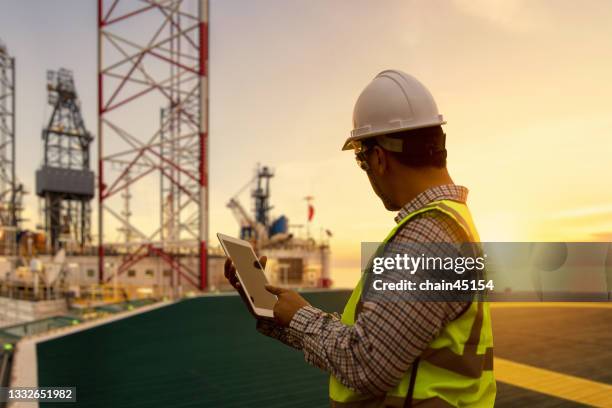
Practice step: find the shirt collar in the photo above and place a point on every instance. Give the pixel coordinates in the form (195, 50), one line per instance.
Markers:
(443, 192)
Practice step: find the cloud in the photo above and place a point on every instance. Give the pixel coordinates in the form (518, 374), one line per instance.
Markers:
(602, 236)
(588, 211)
(513, 15)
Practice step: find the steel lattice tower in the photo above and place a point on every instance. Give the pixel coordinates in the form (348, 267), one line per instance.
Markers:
(65, 181)
(152, 57)
(10, 205)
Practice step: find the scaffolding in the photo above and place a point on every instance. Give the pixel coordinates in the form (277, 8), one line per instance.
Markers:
(141, 72)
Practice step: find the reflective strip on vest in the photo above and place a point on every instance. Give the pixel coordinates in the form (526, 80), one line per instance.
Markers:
(457, 367)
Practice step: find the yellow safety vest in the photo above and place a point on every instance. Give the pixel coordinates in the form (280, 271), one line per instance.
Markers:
(456, 370)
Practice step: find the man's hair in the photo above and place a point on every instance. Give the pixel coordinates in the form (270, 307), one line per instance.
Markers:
(423, 147)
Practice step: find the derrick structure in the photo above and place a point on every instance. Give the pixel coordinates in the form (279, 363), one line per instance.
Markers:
(64, 181)
(153, 169)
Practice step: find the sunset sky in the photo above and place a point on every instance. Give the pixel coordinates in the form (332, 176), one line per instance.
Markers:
(524, 85)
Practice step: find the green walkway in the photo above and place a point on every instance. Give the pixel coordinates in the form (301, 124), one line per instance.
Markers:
(201, 352)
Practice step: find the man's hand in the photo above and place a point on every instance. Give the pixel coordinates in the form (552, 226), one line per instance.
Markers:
(230, 275)
(230, 272)
(289, 302)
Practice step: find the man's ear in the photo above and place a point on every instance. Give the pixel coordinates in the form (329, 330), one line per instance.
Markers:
(380, 161)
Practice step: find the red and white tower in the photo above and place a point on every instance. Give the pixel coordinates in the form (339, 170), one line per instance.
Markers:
(153, 135)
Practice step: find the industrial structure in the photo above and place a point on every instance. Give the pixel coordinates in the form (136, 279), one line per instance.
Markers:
(292, 259)
(257, 229)
(10, 204)
(152, 178)
(138, 75)
(152, 184)
(65, 181)
(11, 191)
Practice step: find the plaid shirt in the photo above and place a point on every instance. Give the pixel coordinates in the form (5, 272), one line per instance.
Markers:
(372, 355)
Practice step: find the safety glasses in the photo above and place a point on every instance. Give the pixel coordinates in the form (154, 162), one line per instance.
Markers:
(361, 157)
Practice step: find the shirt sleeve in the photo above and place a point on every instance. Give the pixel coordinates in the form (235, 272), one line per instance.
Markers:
(285, 335)
(372, 355)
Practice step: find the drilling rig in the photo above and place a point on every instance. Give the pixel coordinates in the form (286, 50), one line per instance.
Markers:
(11, 191)
(65, 182)
(9, 188)
(292, 260)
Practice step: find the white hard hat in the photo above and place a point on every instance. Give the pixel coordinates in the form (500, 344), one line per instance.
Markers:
(393, 102)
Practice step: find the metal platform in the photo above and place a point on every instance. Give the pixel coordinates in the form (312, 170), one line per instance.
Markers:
(553, 354)
(205, 352)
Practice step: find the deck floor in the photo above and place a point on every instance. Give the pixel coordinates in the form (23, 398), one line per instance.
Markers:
(204, 352)
(574, 341)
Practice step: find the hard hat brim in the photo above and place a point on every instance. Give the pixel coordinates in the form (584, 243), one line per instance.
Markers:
(349, 143)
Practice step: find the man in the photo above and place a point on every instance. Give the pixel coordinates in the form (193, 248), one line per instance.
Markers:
(397, 354)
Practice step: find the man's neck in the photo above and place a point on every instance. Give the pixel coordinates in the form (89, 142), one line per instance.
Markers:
(420, 180)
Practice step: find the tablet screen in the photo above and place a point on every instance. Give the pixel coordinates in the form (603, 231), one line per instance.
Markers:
(251, 275)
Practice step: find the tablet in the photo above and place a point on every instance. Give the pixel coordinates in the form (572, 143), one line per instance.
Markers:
(250, 274)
